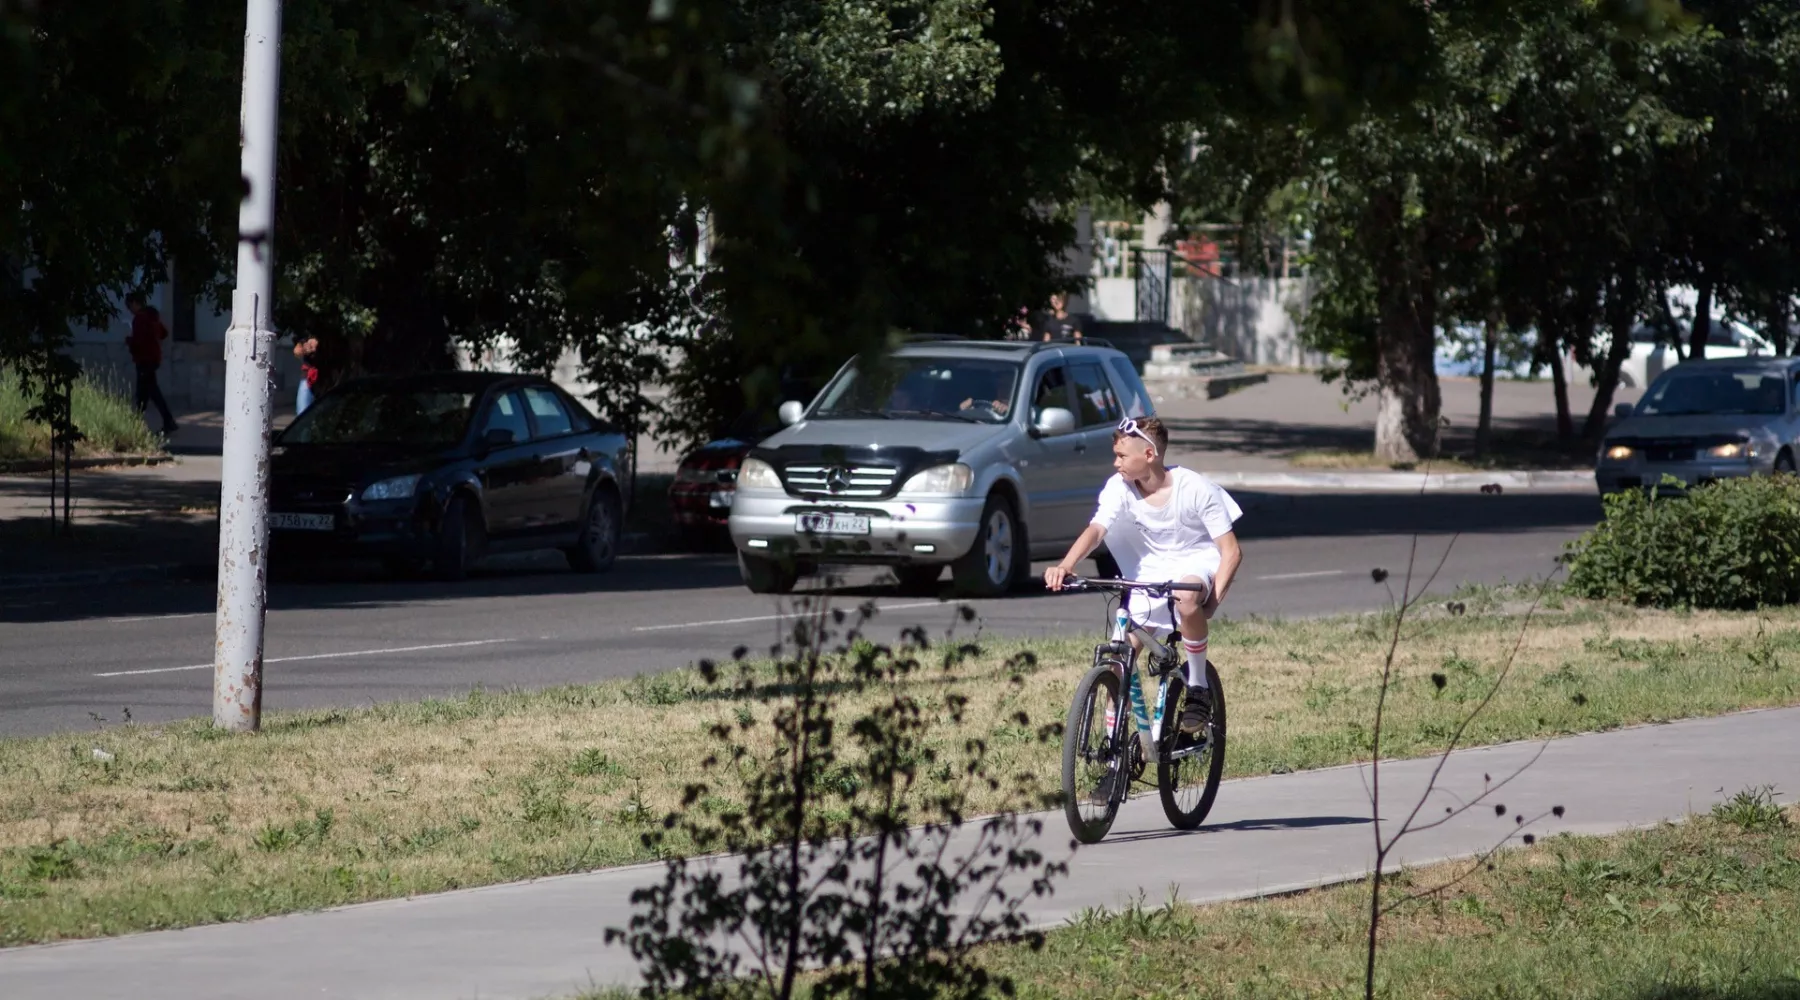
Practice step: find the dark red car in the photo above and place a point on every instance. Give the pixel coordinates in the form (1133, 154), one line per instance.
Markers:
(706, 480)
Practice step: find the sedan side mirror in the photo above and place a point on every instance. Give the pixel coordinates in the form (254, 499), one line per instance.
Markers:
(1622, 410)
(497, 437)
(791, 412)
(1054, 421)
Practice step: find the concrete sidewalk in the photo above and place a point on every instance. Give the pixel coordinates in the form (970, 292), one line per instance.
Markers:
(1266, 835)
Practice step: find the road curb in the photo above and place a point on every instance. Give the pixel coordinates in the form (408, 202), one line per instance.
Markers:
(1411, 482)
(26, 466)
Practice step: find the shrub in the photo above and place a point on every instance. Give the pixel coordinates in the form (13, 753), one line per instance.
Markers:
(1729, 544)
(104, 414)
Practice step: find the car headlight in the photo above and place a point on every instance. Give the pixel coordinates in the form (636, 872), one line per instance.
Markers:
(943, 480)
(1732, 449)
(397, 488)
(1618, 452)
(756, 474)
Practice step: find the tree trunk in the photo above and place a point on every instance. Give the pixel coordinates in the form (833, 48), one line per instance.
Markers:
(1408, 401)
(1484, 425)
(1702, 320)
(1565, 423)
(1620, 316)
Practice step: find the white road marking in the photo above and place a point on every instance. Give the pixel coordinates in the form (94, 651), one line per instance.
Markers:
(157, 618)
(314, 656)
(1304, 576)
(772, 618)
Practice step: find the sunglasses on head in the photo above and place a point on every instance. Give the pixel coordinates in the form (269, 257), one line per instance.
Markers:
(1129, 426)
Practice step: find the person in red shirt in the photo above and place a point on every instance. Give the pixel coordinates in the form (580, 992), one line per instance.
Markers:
(145, 344)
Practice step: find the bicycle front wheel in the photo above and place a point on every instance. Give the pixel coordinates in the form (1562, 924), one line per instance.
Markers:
(1188, 773)
(1093, 768)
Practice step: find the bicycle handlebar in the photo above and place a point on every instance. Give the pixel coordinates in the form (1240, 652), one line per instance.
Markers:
(1159, 589)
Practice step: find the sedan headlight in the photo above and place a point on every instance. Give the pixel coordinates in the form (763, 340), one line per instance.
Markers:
(1732, 449)
(397, 488)
(756, 474)
(941, 480)
(1618, 452)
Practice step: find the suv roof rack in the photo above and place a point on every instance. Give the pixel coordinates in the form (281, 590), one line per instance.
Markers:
(1028, 346)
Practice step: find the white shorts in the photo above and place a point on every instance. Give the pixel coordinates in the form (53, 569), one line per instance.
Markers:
(1152, 611)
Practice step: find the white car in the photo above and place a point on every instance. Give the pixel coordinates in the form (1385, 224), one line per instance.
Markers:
(1648, 359)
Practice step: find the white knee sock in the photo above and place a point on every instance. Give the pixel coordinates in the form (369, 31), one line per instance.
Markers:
(1196, 657)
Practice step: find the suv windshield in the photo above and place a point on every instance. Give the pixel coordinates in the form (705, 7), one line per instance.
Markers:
(914, 388)
(1683, 393)
(422, 417)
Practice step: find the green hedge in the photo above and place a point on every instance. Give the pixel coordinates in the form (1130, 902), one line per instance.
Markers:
(1731, 544)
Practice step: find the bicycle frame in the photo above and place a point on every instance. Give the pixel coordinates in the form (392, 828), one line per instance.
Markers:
(1159, 651)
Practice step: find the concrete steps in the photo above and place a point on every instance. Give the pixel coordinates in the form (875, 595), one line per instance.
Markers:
(1174, 366)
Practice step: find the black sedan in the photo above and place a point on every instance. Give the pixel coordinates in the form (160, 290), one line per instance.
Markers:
(442, 468)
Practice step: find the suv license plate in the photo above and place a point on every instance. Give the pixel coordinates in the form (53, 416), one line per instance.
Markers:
(302, 522)
(832, 524)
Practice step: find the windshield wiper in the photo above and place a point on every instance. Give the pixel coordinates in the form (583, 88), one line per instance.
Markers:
(878, 414)
(937, 415)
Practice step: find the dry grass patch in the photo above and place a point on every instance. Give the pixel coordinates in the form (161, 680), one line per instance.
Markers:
(176, 825)
(1702, 909)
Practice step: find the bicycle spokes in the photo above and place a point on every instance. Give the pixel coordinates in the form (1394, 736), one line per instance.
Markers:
(1100, 757)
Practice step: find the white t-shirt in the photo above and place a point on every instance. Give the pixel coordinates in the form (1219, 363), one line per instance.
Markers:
(1171, 541)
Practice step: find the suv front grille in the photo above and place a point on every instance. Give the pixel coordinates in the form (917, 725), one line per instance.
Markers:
(848, 481)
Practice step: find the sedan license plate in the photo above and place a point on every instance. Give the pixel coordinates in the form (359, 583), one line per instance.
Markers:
(832, 524)
(303, 522)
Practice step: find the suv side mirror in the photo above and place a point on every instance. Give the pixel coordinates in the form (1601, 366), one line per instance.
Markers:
(791, 412)
(497, 437)
(1622, 410)
(1054, 421)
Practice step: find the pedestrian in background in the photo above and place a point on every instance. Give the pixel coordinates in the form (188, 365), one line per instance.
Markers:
(145, 344)
(305, 349)
(1059, 325)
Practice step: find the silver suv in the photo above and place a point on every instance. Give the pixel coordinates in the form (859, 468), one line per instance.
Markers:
(977, 455)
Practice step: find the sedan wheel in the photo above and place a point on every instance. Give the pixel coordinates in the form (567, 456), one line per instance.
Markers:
(460, 539)
(598, 547)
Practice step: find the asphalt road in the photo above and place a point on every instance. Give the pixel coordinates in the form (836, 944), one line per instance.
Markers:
(75, 659)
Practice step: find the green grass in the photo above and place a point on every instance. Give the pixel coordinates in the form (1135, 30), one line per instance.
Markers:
(108, 422)
(177, 825)
(1704, 910)
(1708, 909)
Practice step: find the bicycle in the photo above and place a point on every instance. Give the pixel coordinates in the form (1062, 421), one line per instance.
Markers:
(1101, 757)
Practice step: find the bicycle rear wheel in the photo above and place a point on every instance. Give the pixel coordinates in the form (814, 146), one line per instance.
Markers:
(1189, 769)
(1093, 769)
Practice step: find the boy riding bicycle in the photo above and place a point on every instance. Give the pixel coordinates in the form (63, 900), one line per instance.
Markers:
(1165, 524)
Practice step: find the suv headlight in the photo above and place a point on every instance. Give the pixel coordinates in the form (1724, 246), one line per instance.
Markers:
(941, 480)
(1732, 449)
(397, 488)
(756, 474)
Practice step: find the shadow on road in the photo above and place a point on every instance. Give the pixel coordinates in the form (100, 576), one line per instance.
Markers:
(1267, 515)
(1318, 515)
(1244, 825)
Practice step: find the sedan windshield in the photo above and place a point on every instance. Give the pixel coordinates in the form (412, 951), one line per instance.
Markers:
(966, 389)
(1726, 392)
(427, 418)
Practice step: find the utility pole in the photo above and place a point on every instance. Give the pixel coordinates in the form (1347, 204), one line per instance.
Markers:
(249, 345)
